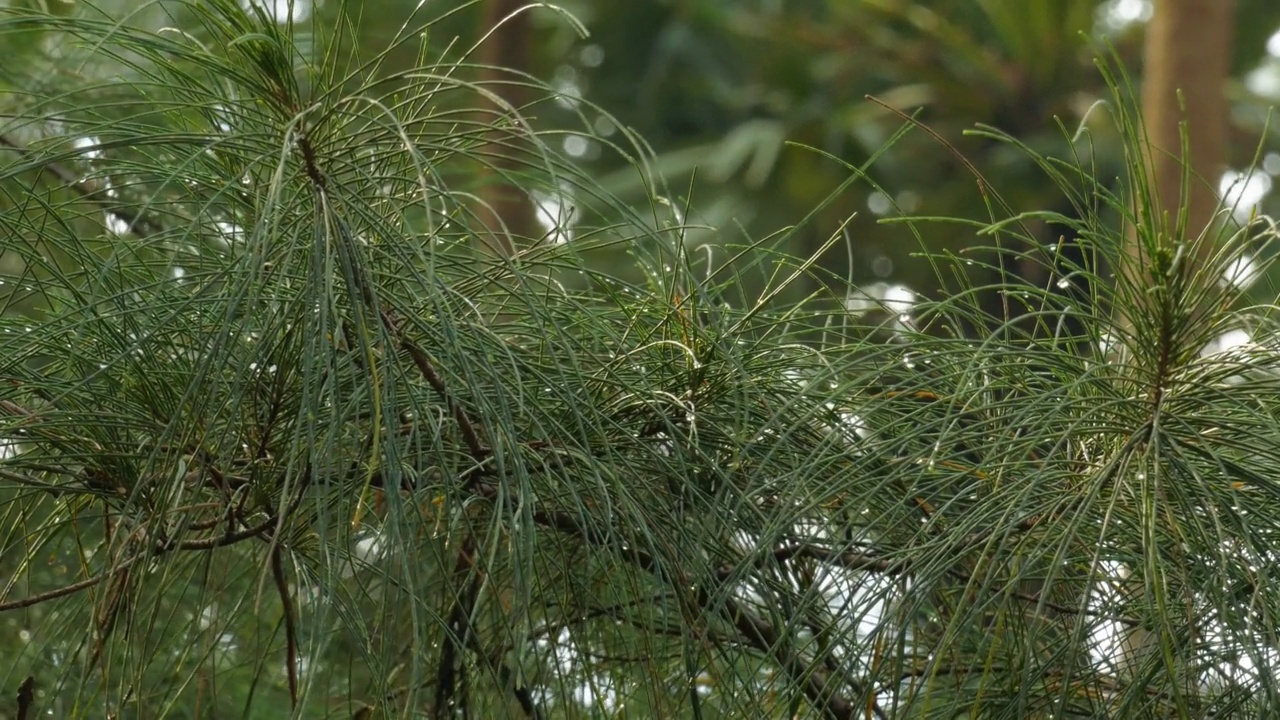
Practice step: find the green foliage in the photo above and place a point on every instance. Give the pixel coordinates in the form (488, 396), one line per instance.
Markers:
(283, 437)
(722, 86)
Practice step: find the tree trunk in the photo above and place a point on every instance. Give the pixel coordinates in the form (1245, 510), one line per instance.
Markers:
(1186, 62)
(505, 208)
(1185, 65)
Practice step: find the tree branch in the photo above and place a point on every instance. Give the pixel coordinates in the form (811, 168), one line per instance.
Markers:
(140, 223)
(290, 627)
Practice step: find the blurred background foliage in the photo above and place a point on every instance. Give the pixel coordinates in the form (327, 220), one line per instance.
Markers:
(755, 109)
(726, 91)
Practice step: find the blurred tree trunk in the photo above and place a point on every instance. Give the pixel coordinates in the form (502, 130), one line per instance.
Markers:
(1185, 66)
(505, 209)
(1186, 61)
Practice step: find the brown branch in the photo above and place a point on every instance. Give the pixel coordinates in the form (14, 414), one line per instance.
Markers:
(523, 696)
(140, 223)
(1068, 610)
(390, 323)
(507, 677)
(423, 363)
(845, 559)
(67, 589)
(26, 696)
(290, 628)
(871, 563)
(755, 631)
(758, 633)
(766, 639)
(116, 589)
(457, 632)
(229, 538)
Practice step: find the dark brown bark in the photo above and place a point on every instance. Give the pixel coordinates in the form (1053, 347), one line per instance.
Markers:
(505, 209)
(1186, 61)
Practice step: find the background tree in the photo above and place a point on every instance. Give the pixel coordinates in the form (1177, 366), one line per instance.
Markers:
(757, 75)
(1186, 66)
(507, 209)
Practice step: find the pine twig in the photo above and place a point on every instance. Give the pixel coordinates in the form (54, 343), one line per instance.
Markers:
(139, 222)
(290, 624)
(26, 697)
